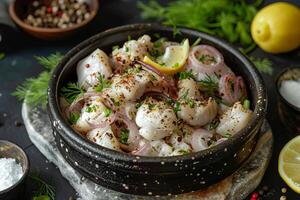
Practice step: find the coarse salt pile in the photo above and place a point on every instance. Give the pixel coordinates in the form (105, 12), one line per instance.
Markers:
(10, 172)
(290, 90)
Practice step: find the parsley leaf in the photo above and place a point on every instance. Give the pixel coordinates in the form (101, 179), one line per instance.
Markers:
(124, 136)
(73, 118)
(107, 112)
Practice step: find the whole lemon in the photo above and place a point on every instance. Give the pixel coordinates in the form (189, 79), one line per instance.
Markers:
(276, 28)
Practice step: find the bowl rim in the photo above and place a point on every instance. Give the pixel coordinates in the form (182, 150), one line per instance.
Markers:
(27, 166)
(278, 82)
(25, 26)
(98, 152)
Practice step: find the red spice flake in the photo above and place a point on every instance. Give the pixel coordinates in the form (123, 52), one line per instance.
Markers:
(49, 9)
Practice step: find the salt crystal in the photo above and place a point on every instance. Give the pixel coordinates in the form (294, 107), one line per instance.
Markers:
(289, 90)
(10, 172)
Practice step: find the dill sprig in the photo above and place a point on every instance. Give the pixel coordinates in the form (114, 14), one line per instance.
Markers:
(45, 191)
(34, 90)
(71, 91)
(209, 84)
(264, 65)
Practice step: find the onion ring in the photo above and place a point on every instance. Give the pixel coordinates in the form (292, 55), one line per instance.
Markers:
(199, 69)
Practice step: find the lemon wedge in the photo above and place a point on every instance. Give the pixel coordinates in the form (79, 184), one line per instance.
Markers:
(289, 164)
(173, 59)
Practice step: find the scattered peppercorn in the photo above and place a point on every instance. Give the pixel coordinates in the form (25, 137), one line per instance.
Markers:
(283, 190)
(57, 13)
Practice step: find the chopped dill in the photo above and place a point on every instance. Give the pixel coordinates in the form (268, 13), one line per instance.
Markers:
(124, 136)
(103, 83)
(71, 91)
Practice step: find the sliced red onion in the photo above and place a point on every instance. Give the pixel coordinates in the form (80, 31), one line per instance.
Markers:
(230, 94)
(103, 123)
(200, 137)
(199, 69)
(221, 140)
(144, 150)
(167, 80)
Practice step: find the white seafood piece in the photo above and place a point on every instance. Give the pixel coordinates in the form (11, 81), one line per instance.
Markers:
(160, 148)
(92, 114)
(186, 132)
(200, 139)
(234, 119)
(131, 50)
(104, 137)
(129, 86)
(156, 120)
(90, 68)
(178, 144)
(188, 88)
(130, 110)
(199, 113)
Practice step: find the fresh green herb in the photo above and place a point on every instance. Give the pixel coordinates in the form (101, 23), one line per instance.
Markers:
(151, 106)
(207, 59)
(34, 90)
(42, 197)
(107, 112)
(116, 102)
(92, 108)
(183, 152)
(74, 117)
(176, 31)
(185, 75)
(264, 65)
(184, 96)
(209, 85)
(126, 49)
(103, 83)
(196, 42)
(2, 56)
(225, 18)
(246, 104)
(176, 65)
(227, 135)
(129, 37)
(137, 105)
(71, 92)
(213, 125)
(124, 136)
(45, 191)
(176, 107)
(191, 103)
(115, 47)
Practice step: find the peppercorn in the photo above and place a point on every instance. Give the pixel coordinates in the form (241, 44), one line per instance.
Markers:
(57, 13)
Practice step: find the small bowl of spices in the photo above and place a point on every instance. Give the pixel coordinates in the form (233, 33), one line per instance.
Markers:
(14, 167)
(288, 88)
(52, 19)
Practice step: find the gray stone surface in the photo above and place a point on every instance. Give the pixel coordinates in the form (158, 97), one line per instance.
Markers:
(235, 187)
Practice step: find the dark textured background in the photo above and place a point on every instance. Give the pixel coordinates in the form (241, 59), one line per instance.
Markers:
(19, 64)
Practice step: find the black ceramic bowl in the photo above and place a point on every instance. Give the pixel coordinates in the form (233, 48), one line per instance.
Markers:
(154, 175)
(10, 150)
